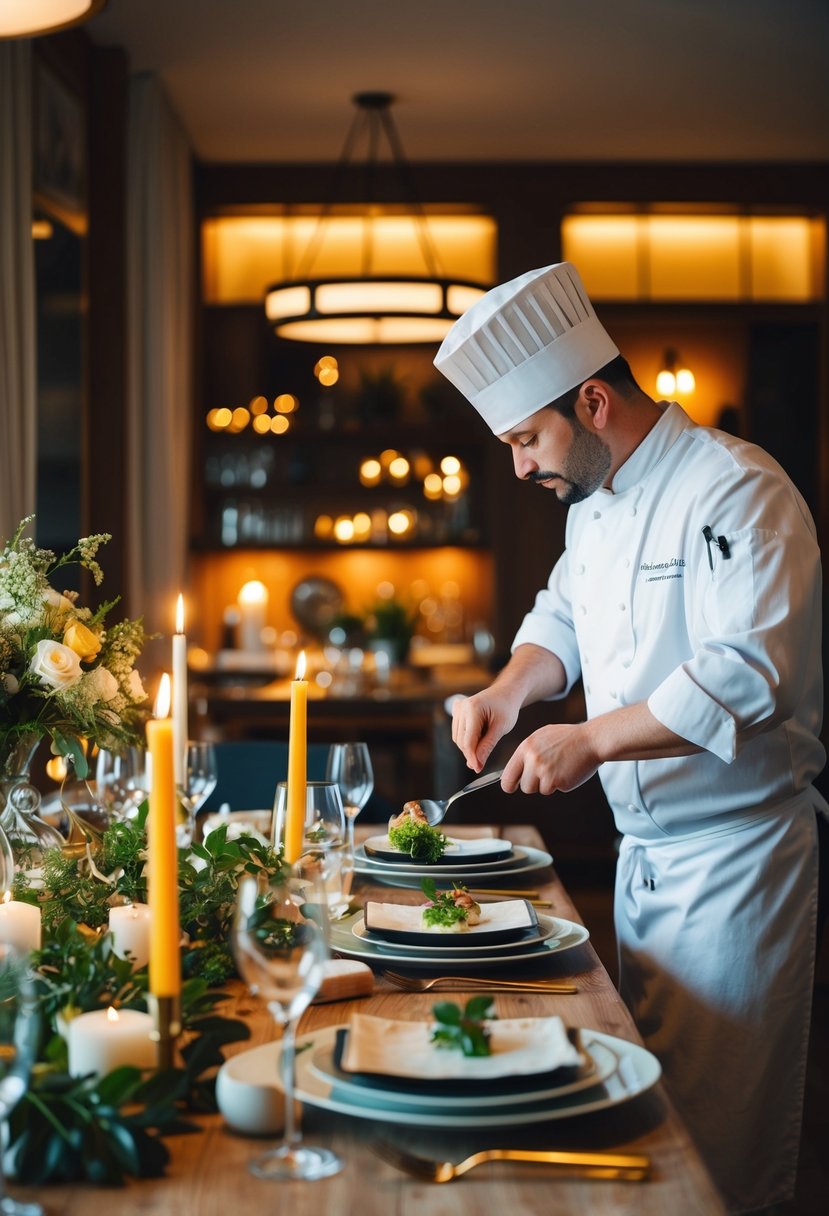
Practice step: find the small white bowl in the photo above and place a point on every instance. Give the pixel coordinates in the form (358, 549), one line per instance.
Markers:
(248, 1094)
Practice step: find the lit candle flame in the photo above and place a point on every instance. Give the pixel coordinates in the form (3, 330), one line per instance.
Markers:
(180, 614)
(112, 1014)
(161, 708)
(300, 666)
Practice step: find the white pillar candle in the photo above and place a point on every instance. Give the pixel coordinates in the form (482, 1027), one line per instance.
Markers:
(105, 1039)
(253, 603)
(179, 697)
(130, 929)
(19, 924)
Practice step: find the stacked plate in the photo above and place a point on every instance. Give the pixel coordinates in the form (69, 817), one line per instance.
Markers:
(612, 1070)
(466, 861)
(509, 932)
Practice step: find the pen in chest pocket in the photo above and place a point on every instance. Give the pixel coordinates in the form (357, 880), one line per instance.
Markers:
(719, 541)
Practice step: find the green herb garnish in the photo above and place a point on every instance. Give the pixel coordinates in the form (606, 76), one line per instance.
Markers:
(420, 840)
(443, 911)
(464, 1030)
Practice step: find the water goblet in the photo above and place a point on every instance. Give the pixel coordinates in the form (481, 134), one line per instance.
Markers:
(19, 1029)
(201, 775)
(324, 849)
(122, 780)
(279, 944)
(349, 765)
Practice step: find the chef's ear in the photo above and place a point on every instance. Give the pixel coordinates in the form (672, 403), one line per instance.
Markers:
(595, 399)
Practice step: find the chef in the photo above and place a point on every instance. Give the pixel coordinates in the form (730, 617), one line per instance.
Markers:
(687, 600)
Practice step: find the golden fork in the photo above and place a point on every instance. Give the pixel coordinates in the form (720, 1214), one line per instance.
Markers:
(628, 1167)
(410, 984)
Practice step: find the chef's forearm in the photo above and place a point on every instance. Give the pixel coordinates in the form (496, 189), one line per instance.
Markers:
(633, 733)
(532, 674)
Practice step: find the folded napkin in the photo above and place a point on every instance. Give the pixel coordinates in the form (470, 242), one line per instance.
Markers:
(518, 1047)
(344, 978)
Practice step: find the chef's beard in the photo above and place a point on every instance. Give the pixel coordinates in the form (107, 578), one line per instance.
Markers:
(585, 466)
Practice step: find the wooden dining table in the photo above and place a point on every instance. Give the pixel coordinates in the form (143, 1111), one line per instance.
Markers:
(208, 1174)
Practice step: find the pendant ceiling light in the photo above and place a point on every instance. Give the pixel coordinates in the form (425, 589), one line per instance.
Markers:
(368, 307)
(28, 18)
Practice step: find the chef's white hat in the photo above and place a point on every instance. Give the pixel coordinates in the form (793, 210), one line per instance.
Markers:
(524, 344)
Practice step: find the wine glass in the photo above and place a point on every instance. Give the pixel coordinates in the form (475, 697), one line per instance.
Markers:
(349, 764)
(122, 780)
(19, 1029)
(323, 849)
(279, 944)
(200, 777)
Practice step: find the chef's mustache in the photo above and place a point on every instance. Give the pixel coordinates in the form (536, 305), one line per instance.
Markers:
(544, 476)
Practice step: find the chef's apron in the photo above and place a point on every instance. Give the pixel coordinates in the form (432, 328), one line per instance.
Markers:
(716, 934)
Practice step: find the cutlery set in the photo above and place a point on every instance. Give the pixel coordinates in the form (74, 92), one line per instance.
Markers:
(627, 1167)
(460, 983)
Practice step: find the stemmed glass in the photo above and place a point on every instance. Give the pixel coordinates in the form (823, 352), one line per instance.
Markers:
(279, 943)
(200, 777)
(349, 765)
(122, 780)
(324, 847)
(19, 1028)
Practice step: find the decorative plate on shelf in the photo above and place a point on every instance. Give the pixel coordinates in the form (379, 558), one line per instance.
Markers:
(315, 602)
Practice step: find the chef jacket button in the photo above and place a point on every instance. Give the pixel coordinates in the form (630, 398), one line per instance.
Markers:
(582, 610)
(622, 608)
(597, 514)
(614, 694)
(587, 689)
(634, 810)
(580, 568)
(633, 510)
(626, 663)
(626, 563)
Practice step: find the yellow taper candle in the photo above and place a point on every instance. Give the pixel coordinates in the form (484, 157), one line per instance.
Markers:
(162, 882)
(180, 697)
(297, 764)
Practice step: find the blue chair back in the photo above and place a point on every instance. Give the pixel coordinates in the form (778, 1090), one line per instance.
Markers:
(249, 771)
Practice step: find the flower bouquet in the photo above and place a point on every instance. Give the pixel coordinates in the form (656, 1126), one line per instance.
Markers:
(62, 672)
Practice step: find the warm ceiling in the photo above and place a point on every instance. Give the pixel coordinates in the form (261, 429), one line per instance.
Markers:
(484, 80)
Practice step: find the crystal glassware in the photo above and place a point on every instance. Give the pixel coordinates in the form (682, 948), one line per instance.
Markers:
(349, 765)
(122, 780)
(324, 850)
(279, 944)
(19, 1030)
(201, 775)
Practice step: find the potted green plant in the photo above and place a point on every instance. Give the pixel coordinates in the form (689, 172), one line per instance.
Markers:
(390, 624)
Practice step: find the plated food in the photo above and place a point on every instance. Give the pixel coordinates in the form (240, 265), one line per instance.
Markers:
(509, 920)
(411, 833)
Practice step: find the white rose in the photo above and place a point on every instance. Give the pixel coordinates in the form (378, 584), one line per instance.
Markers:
(10, 683)
(135, 689)
(55, 664)
(102, 683)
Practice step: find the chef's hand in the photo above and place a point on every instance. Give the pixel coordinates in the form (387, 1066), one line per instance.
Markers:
(557, 757)
(478, 722)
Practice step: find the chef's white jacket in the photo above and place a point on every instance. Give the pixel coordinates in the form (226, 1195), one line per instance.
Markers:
(722, 638)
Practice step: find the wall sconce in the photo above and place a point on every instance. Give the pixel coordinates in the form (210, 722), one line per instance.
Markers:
(674, 379)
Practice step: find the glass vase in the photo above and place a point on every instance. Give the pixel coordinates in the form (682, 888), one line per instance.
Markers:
(28, 835)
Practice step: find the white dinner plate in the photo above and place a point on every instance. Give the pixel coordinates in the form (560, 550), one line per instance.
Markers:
(638, 1070)
(545, 928)
(515, 858)
(482, 850)
(566, 935)
(524, 861)
(501, 922)
(603, 1063)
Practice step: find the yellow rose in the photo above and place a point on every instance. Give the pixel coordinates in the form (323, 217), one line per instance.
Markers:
(82, 640)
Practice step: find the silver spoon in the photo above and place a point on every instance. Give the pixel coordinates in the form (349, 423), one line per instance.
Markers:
(435, 808)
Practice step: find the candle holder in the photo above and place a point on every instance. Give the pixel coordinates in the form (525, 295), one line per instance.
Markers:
(166, 1015)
